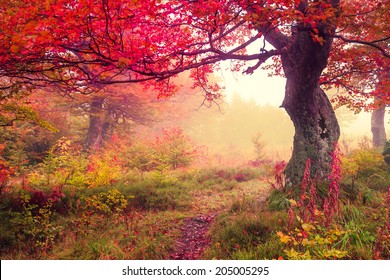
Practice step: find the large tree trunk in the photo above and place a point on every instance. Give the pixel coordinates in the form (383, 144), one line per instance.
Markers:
(378, 126)
(316, 132)
(316, 126)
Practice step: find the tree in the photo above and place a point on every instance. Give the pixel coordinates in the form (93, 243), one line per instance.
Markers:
(51, 43)
(381, 101)
(361, 72)
(378, 125)
(113, 107)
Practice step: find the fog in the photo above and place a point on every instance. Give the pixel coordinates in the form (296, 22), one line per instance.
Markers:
(250, 106)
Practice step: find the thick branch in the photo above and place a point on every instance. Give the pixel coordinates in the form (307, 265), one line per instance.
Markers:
(276, 38)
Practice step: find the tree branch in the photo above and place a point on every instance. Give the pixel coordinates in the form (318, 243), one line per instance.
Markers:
(371, 44)
(275, 37)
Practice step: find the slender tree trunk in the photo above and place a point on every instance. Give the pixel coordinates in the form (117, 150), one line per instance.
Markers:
(95, 132)
(316, 126)
(378, 126)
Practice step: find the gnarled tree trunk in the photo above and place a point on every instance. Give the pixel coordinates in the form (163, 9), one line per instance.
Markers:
(316, 126)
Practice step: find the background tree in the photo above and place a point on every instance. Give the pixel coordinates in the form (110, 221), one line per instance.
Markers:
(378, 124)
(366, 64)
(115, 106)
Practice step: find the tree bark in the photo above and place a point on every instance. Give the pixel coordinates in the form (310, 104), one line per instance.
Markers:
(378, 126)
(95, 134)
(316, 132)
(316, 126)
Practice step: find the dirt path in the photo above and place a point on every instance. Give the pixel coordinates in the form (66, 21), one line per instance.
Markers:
(194, 240)
(211, 203)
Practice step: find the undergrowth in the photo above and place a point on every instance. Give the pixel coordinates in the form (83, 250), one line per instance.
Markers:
(77, 206)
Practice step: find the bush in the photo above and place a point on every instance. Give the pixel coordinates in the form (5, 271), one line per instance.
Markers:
(170, 151)
(33, 227)
(363, 163)
(64, 165)
(103, 170)
(8, 239)
(5, 170)
(106, 203)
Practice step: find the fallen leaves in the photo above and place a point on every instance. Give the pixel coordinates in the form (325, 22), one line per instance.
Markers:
(194, 239)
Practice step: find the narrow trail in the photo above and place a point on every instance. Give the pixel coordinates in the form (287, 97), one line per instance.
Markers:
(194, 239)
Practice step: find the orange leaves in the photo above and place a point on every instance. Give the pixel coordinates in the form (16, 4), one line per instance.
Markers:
(16, 39)
(317, 38)
(15, 49)
(124, 62)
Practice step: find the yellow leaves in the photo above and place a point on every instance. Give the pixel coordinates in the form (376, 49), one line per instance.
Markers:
(283, 238)
(334, 254)
(296, 255)
(338, 232)
(306, 242)
(103, 170)
(364, 161)
(311, 241)
(317, 213)
(293, 202)
(106, 203)
(307, 227)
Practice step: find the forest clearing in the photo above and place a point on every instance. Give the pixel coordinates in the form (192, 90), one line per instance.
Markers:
(79, 206)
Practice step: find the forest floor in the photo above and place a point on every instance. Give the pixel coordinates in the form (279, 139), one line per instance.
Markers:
(192, 215)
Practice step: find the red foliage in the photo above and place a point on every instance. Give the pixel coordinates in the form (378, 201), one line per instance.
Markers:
(308, 201)
(279, 177)
(290, 218)
(312, 204)
(241, 177)
(5, 170)
(306, 180)
(76, 43)
(52, 199)
(331, 203)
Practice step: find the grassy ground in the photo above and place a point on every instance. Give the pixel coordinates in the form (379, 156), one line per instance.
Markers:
(145, 228)
(141, 216)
